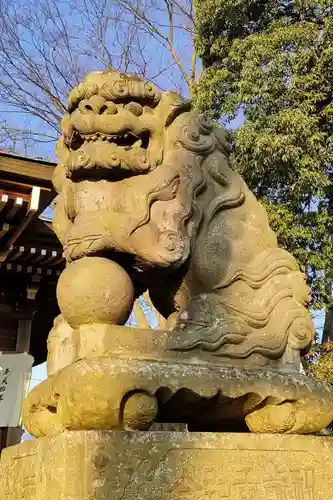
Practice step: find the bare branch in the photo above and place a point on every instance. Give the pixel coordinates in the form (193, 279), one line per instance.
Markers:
(47, 46)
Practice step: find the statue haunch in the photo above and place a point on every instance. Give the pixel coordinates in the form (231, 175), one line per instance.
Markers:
(144, 181)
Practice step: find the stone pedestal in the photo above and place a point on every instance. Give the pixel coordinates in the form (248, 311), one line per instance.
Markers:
(102, 465)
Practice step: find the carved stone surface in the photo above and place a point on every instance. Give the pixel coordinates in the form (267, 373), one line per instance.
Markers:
(67, 345)
(148, 201)
(168, 466)
(61, 346)
(145, 182)
(117, 393)
(95, 290)
(118, 362)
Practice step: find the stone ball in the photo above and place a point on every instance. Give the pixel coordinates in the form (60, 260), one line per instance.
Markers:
(95, 290)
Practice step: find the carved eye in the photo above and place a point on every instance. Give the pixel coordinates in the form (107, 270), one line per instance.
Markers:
(135, 108)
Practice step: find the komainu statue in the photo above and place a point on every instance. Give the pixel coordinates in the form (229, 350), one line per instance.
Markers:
(145, 181)
(147, 200)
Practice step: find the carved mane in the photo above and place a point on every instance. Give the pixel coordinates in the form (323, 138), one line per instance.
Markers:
(253, 296)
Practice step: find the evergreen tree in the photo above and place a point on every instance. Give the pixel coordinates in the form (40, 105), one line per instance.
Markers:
(271, 62)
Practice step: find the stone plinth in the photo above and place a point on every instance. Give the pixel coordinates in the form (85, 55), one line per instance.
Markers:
(112, 392)
(101, 465)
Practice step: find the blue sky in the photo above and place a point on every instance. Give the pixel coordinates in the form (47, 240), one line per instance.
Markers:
(76, 37)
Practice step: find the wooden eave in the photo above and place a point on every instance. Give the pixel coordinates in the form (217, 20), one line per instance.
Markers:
(25, 192)
(39, 172)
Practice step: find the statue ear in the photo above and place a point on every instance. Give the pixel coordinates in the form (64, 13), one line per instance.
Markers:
(178, 110)
(174, 105)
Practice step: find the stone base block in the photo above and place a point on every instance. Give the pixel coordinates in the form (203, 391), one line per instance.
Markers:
(102, 465)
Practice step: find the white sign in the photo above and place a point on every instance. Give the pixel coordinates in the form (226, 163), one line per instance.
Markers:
(14, 372)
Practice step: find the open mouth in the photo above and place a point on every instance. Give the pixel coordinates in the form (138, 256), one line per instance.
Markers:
(126, 140)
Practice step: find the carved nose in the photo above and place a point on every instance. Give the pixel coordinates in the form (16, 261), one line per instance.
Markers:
(99, 109)
(100, 106)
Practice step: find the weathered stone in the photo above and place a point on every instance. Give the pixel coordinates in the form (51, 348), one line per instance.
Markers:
(115, 393)
(61, 346)
(95, 290)
(99, 465)
(262, 400)
(67, 345)
(146, 182)
(148, 202)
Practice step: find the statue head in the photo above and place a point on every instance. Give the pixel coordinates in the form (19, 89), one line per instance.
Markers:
(115, 123)
(129, 159)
